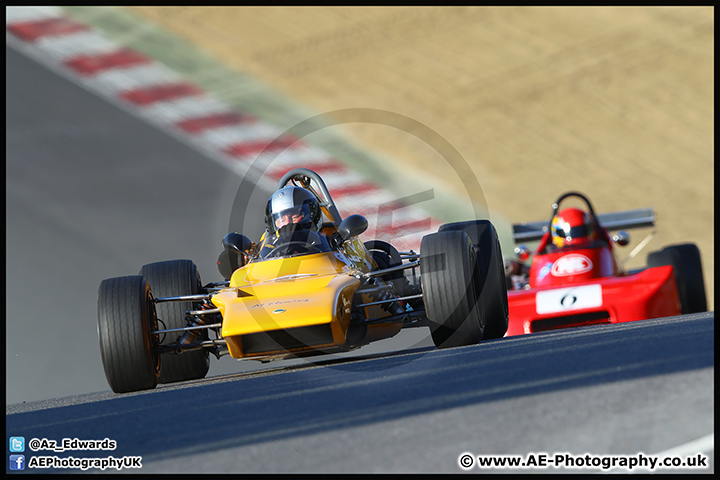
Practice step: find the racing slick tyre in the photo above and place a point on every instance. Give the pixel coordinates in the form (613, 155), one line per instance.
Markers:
(386, 256)
(170, 279)
(451, 284)
(389, 251)
(126, 316)
(687, 265)
(484, 238)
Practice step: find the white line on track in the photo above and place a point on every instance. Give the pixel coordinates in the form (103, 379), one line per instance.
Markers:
(700, 445)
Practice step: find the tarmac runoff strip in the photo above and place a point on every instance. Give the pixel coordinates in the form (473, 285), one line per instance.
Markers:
(240, 140)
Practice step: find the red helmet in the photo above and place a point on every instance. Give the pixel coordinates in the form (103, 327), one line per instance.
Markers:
(572, 227)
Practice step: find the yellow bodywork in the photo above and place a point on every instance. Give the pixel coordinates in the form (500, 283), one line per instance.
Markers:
(293, 304)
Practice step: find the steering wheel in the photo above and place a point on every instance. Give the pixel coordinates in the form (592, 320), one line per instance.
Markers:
(291, 248)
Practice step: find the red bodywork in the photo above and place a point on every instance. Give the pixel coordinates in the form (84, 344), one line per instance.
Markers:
(584, 286)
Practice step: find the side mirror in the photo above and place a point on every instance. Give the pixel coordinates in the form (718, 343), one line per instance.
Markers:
(622, 238)
(352, 226)
(234, 254)
(235, 241)
(522, 252)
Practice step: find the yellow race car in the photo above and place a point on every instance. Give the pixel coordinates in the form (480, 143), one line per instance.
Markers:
(324, 291)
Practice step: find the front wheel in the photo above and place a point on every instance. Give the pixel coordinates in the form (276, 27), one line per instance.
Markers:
(126, 318)
(484, 238)
(451, 285)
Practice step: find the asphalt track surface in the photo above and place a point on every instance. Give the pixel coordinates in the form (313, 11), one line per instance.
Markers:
(605, 390)
(93, 192)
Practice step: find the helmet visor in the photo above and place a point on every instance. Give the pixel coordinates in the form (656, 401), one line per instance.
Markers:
(297, 214)
(573, 232)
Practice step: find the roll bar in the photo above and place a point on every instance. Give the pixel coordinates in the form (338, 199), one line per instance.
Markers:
(638, 218)
(303, 177)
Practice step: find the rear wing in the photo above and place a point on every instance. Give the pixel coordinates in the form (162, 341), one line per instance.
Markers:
(642, 217)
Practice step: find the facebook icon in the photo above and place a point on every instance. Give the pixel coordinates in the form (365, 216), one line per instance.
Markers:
(17, 462)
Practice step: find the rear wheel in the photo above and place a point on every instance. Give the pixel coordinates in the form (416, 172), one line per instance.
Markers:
(687, 265)
(386, 256)
(484, 238)
(126, 316)
(171, 279)
(390, 252)
(451, 285)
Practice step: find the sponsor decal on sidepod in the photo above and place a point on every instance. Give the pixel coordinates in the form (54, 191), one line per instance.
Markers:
(571, 265)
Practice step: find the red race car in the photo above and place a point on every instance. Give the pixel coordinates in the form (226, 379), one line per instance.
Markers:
(575, 279)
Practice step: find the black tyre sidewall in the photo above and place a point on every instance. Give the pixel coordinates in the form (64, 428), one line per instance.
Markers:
(169, 279)
(484, 238)
(387, 248)
(693, 278)
(451, 286)
(687, 267)
(125, 319)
